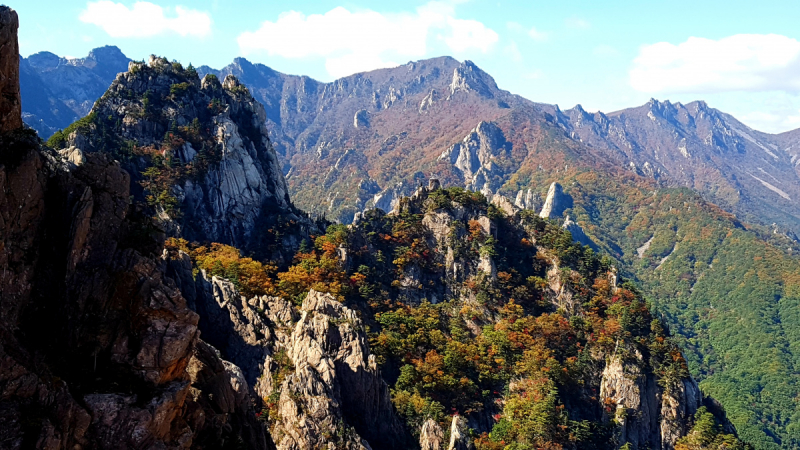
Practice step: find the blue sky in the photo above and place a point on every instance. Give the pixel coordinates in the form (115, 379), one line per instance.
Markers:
(742, 57)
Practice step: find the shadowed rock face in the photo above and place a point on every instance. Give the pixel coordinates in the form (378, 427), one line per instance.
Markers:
(98, 348)
(10, 104)
(332, 393)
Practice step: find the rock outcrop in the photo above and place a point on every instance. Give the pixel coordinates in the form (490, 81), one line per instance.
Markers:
(474, 157)
(431, 436)
(649, 416)
(311, 368)
(361, 119)
(528, 200)
(556, 203)
(459, 435)
(469, 77)
(229, 181)
(10, 102)
(578, 235)
(335, 391)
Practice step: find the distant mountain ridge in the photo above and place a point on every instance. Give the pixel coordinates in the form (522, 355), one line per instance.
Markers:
(748, 172)
(56, 91)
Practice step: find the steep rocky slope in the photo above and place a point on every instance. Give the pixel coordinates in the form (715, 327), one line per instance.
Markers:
(57, 91)
(623, 170)
(98, 348)
(741, 169)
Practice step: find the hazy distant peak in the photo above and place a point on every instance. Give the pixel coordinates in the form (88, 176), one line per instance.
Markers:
(44, 60)
(106, 53)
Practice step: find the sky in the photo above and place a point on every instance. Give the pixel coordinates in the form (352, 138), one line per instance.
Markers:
(742, 57)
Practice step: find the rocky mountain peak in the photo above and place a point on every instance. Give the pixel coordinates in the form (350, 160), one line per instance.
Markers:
(475, 155)
(44, 60)
(469, 77)
(57, 91)
(106, 61)
(556, 202)
(228, 180)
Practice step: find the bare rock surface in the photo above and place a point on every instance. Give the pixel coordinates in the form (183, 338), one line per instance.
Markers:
(555, 203)
(649, 415)
(231, 181)
(10, 102)
(474, 157)
(431, 436)
(459, 435)
(336, 383)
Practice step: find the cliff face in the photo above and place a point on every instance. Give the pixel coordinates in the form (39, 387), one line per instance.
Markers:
(309, 367)
(650, 416)
(98, 348)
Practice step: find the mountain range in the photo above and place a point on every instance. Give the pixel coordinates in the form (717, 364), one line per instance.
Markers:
(693, 205)
(313, 125)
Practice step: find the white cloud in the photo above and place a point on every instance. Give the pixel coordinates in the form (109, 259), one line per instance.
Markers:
(537, 35)
(469, 34)
(772, 121)
(533, 33)
(353, 41)
(743, 62)
(577, 23)
(145, 19)
(512, 51)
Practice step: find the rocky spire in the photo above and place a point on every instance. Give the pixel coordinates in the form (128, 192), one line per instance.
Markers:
(556, 203)
(10, 104)
(431, 436)
(459, 435)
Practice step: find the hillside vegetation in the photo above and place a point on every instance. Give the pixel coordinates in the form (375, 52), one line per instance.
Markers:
(502, 320)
